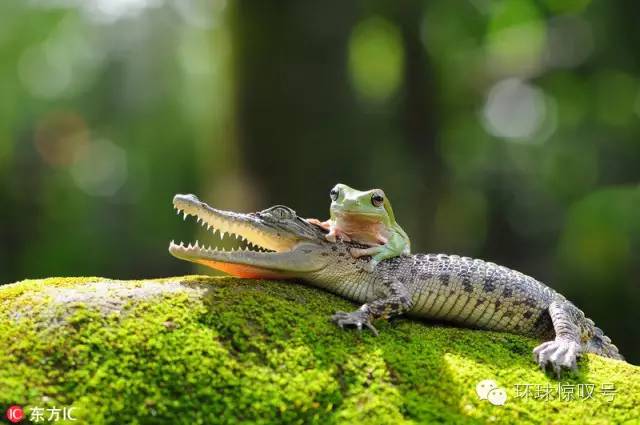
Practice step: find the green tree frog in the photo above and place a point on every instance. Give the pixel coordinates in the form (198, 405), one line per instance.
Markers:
(365, 217)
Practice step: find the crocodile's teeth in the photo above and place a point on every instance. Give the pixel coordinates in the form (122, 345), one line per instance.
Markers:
(184, 215)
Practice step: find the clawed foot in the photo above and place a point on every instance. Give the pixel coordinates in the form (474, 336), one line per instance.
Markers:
(558, 354)
(356, 318)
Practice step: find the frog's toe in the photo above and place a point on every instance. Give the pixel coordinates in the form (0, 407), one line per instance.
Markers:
(358, 252)
(371, 265)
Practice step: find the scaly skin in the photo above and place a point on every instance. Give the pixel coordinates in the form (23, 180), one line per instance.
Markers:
(468, 292)
(366, 217)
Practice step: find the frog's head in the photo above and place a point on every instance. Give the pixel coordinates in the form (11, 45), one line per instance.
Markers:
(367, 205)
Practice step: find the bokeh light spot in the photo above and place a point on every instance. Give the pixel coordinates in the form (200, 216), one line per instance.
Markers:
(59, 135)
(571, 93)
(515, 39)
(616, 95)
(42, 76)
(100, 168)
(515, 110)
(569, 43)
(567, 6)
(376, 59)
(199, 13)
(596, 243)
(110, 11)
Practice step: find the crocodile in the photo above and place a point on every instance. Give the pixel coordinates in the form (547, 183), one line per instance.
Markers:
(448, 288)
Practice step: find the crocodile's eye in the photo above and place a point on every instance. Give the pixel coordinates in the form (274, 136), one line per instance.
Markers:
(280, 211)
(377, 200)
(334, 194)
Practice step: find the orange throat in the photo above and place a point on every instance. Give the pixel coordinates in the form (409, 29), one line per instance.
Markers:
(243, 270)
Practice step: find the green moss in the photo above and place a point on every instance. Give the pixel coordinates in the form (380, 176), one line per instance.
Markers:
(210, 350)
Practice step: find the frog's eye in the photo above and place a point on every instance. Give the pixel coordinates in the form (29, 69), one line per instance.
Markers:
(377, 200)
(334, 194)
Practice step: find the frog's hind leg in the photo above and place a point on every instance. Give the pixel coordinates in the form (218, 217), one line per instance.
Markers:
(377, 253)
(362, 252)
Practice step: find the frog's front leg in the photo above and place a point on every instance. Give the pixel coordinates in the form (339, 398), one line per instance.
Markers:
(397, 301)
(334, 232)
(324, 224)
(394, 247)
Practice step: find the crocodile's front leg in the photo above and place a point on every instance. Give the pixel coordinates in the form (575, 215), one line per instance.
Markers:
(564, 350)
(397, 301)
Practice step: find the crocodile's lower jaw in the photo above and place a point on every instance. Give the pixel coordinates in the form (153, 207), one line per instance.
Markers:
(235, 262)
(245, 263)
(230, 266)
(242, 270)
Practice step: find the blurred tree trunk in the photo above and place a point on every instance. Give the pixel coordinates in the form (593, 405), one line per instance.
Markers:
(295, 99)
(293, 102)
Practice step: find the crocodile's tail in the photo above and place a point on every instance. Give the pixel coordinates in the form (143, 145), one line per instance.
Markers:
(599, 343)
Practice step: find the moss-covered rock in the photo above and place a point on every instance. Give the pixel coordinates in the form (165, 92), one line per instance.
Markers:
(210, 350)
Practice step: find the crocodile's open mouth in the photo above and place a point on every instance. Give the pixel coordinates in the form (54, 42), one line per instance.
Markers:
(270, 241)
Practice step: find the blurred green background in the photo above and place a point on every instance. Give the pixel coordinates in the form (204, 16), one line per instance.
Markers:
(505, 130)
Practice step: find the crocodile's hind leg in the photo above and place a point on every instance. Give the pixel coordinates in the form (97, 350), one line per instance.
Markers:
(564, 350)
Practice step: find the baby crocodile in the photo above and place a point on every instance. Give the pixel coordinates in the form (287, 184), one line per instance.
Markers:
(468, 292)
